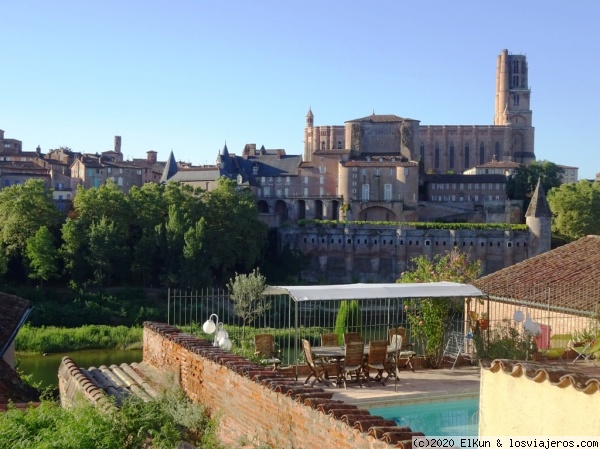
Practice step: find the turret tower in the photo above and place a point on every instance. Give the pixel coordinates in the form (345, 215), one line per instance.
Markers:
(539, 219)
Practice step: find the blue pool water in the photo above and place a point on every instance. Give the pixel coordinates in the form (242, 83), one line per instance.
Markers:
(446, 418)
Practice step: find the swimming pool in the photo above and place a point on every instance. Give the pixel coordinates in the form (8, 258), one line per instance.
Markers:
(445, 418)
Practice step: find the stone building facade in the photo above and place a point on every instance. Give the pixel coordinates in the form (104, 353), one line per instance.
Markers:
(443, 147)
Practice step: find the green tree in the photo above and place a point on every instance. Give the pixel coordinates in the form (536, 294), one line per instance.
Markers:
(246, 293)
(25, 208)
(431, 319)
(148, 209)
(522, 182)
(196, 271)
(42, 255)
(107, 251)
(233, 233)
(575, 209)
(95, 237)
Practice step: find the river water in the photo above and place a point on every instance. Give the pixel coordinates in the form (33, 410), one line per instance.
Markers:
(44, 369)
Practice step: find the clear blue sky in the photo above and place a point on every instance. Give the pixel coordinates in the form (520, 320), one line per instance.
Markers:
(189, 76)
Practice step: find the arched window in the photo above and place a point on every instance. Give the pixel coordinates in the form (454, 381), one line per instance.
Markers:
(481, 154)
(437, 156)
(516, 100)
(467, 156)
(451, 154)
(497, 151)
(422, 152)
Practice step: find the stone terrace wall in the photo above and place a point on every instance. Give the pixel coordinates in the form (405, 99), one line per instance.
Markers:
(259, 406)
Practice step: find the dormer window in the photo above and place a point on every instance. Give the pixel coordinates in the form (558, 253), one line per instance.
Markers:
(368, 158)
(255, 169)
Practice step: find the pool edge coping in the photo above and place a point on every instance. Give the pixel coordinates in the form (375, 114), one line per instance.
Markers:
(418, 398)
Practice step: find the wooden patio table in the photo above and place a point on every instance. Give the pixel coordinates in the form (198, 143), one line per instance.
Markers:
(337, 353)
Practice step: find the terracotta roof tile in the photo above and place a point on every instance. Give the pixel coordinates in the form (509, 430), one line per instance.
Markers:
(12, 388)
(557, 376)
(13, 311)
(566, 278)
(379, 118)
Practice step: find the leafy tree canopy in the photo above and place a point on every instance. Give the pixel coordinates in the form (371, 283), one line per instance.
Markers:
(432, 318)
(575, 209)
(24, 208)
(42, 255)
(522, 182)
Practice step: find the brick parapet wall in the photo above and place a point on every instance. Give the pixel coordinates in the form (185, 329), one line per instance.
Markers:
(258, 406)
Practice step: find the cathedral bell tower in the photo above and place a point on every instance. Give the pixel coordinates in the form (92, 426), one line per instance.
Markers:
(513, 106)
(308, 136)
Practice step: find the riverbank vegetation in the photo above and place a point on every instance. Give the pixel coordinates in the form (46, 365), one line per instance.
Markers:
(49, 339)
(74, 308)
(160, 423)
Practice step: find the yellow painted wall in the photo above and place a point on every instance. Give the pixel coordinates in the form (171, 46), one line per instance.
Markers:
(520, 406)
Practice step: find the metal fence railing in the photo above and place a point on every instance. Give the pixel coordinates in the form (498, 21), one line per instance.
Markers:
(289, 321)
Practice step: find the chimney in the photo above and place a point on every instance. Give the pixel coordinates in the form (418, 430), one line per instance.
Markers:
(118, 144)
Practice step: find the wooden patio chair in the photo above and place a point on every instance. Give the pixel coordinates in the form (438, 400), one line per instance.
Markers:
(401, 331)
(405, 349)
(396, 355)
(330, 340)
(350, 337)
(377, 359)
(264, 346)
(317, 367)
(352, 364)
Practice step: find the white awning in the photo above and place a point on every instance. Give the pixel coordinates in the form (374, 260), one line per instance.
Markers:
(374, 291)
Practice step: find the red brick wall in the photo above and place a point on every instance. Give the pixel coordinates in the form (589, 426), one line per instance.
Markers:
(256, 406)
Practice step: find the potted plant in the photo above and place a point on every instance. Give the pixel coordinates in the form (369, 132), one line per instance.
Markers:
(484, 321)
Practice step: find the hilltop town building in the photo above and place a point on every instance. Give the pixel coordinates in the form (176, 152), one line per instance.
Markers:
(375, 168)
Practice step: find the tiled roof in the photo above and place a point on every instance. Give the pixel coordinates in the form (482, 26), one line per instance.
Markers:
(196, 174)
(90, 161)
(376, 118)
(557, 376)
(464, 178)
(120, 382)
(13, 312)
(12, 388)
(377, 163)
(271, 164)
(333, 151)
(565, 278)
(21, 166)
(499, 164)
